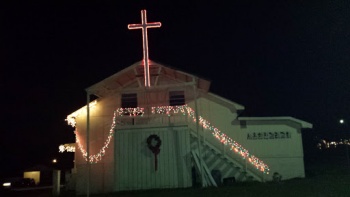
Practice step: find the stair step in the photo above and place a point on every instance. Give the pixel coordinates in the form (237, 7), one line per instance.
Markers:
(209, 157)
(227, 161)
(228, 172)
(212, 160)
(214, 164)
(224, 166)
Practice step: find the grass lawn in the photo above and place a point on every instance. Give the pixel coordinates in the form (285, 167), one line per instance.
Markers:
(320, 186)
(324, 178)
(327, 175)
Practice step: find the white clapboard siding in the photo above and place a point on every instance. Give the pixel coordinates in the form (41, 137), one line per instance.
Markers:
(134, 166)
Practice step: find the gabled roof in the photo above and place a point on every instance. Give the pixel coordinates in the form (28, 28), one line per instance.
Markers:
(134, 76)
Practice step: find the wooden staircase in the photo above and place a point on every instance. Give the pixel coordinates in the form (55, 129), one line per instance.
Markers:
(211, 158)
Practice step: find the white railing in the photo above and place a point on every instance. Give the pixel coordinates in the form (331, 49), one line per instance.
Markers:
(151, 116)
(176, 115)
(151, 120)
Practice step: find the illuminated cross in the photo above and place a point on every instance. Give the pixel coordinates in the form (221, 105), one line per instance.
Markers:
(144, 26)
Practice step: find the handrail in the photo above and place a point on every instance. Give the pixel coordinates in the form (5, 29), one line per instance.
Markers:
(222, 137)
(237, 163)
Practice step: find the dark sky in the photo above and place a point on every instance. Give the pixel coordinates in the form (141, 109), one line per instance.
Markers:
(276, 58)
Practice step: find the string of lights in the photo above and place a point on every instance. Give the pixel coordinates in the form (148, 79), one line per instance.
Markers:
(71, 117)
(98, 156)
(168, 110)
(66, 148)
(138, 111)
(222, 137)
(324, 144)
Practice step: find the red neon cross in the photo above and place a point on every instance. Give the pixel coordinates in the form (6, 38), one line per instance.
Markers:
(144, 26)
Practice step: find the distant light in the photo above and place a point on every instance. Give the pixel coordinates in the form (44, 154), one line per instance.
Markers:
(54, 161)
(6, 184)
(66, 148)
(341, 121)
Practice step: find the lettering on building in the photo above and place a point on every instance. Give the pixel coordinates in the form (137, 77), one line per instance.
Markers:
(268, 135)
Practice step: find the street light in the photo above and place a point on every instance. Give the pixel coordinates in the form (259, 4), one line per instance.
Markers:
(346, 143)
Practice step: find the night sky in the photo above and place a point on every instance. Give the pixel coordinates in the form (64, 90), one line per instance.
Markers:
(276, 58)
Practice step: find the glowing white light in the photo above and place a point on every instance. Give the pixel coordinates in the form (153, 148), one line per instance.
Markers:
(138, 111)
(168, 110)
(341, 121)
(97, 157)
(222, 137)
(71, 117)
(332, 144)
(61, 148)
(6, 184)
(66, 147)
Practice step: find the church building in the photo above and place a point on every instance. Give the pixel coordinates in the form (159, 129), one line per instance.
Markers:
(153, 126)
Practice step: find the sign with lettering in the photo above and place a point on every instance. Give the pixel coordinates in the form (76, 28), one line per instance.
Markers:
(268, 135)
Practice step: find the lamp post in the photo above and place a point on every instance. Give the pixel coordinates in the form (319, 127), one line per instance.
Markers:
(346, 143)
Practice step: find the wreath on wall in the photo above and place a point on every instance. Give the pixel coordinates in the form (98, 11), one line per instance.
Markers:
(155, 148)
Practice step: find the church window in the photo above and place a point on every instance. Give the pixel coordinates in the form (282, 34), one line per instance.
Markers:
(129, 100)
(176, 98)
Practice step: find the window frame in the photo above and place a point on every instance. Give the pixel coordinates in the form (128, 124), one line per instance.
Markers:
(128, 100)
(177, 97)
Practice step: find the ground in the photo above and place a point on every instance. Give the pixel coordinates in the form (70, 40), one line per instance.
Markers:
(327, 175)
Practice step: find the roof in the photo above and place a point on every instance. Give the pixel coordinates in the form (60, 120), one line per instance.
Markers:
(281, 118)
(233, 106)
(39, 167)
(134, 76)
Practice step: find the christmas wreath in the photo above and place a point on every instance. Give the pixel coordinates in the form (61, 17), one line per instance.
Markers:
(154, 148)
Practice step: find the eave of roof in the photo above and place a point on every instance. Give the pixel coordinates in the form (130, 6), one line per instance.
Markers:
(225, 102)
(304, 124)
(131, 74)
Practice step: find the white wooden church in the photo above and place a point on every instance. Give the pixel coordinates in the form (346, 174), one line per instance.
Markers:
(154, 126)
